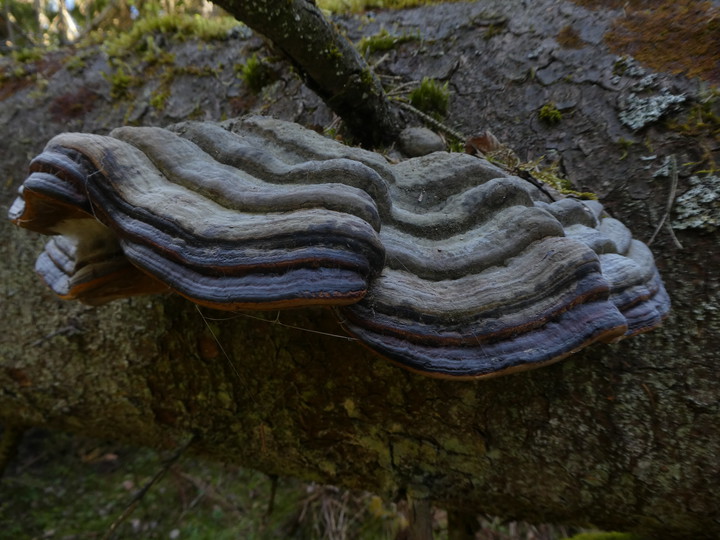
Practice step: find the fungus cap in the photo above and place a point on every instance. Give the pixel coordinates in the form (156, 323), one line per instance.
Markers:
(445, 263)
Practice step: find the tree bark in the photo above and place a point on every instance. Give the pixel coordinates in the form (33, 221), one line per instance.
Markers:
(620, 436)
(329, 64)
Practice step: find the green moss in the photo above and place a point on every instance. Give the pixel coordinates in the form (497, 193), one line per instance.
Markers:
(549, 114)
(383, 41)
(550, 175)
(456, 145)
(158, 100)
(431, 97)
(547, 174)
(367, 78)
(76, 63)
(23, 65)
(198, 113)
(256, 73)
(153, 54)
(625, 145)
(333, 53)
(178, 27)
(495, 29)
(120, 83)
(141, 48)
(193, 71)
(702, 122)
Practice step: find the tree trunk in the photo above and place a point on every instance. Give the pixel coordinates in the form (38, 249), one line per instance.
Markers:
(329, 64)
(620, 436)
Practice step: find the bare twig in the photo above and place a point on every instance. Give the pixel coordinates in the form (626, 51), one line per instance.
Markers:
(669, 205)
(276, 321)
(430, 120)
(217, 341)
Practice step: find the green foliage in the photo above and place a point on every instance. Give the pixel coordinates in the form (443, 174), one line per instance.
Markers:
(22, 13)
(28, 55)
(431, 97)
(549, 114)
(383, 41)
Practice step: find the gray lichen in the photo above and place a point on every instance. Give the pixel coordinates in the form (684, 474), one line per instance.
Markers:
(665, 170)
(628, 66)
(638, 112)
(699, 207)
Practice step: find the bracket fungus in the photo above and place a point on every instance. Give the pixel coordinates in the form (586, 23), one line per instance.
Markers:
(445, 263)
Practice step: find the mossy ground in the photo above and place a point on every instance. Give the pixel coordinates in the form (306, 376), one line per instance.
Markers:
(549, 114)
(383, 41)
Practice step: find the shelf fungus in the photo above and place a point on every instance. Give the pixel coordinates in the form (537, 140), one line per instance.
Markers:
(444, 263)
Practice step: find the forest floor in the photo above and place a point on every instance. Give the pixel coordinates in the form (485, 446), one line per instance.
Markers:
(67, 487)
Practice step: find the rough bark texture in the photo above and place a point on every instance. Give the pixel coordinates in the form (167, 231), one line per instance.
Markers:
(328, 62)
(623, 436)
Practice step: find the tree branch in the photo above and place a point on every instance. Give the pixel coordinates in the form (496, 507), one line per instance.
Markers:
(327, 61)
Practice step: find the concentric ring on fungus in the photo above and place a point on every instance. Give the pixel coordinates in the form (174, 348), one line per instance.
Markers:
(444, 264)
